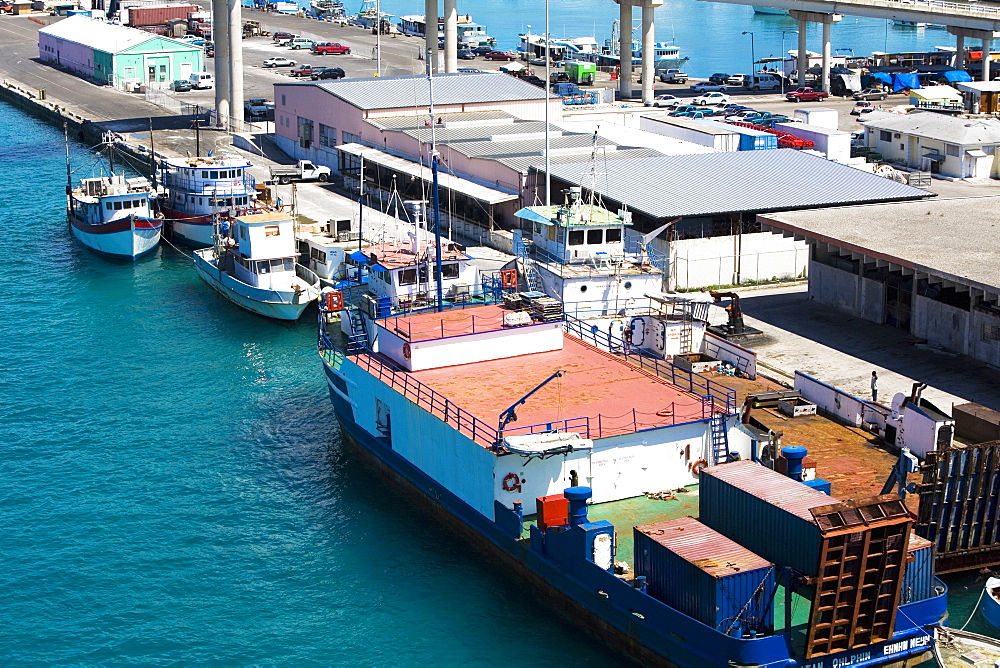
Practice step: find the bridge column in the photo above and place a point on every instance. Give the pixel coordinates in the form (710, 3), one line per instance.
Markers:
(625, 50)
(960, 52)
(802, 56)
(648, 42)
(450, 36)
(223, 54)
(987, 36)
(987, 43)
(814, 17)
(236, 60)
(825, 76)
(431, 34)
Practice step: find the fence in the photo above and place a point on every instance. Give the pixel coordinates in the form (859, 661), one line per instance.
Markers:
(688, 271)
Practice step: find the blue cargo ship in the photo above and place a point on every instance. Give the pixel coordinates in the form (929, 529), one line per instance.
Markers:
(580, 463)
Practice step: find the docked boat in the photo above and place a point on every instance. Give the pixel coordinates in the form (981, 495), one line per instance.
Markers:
(772, 11)
(470, 34)
(253, 264)
(196, 190)
(991, 602)
(326, 10)
(113, 215)
(954, 648)
(285, 7)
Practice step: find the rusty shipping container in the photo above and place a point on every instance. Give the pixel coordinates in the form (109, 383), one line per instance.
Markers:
(705, 575)
(154, 16)
(763, 511)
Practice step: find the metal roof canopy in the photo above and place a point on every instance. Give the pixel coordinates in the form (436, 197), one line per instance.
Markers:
(745, 181)
(448, 181)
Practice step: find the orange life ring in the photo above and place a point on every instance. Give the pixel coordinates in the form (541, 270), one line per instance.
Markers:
(512, 482)
(698, 466)
(666, 412)
(508, 278)
(406, 350)
(335, 300)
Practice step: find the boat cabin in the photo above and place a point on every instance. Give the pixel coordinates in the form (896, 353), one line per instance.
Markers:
(264, 246)
(108, 198)
(326, 251)
(203, 186)
(575, 233)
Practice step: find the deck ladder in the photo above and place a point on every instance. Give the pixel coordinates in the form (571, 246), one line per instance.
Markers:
(526, 265)
(686, 335)
(720, 439)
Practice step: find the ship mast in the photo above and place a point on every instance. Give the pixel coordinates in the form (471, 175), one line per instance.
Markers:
(435, 190)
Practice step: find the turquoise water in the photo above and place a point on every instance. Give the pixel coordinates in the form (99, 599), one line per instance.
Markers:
(173, 488)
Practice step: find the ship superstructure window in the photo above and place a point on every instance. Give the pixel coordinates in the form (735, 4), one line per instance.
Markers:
(449, 270)
(272, 231)
(318, 255)
(407, 277)
(575, 237)
(595, 237)
(613, 236)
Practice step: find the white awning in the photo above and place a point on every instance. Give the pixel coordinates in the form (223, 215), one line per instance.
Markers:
(976, 153)
(423, 172)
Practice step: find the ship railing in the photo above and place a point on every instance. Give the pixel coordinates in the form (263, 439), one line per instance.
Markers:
(448, 328)
(428, 399)
(715, 396)
(227, 187)
(604, 426)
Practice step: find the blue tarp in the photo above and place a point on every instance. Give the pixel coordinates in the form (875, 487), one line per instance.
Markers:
(882, 76)
(957, 75)
(904, 81)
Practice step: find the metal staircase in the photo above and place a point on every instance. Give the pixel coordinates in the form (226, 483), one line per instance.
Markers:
(720, 439)
(526, 265)
(357, 341)
(686, 336)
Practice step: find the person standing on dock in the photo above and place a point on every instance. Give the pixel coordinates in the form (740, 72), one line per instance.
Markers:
(874, 386)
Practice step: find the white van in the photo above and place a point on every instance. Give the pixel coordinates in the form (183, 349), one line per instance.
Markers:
(762, 81)
(201, 80)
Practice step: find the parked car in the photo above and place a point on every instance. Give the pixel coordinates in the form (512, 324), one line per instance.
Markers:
(742, 115)
(210, 50)
(708, 87)
(871, 94)
(690, 109)
(192, 39)
(859, 105)
(705, 99)
(732, 108)
(806, 94)
(466, 54)
(534, 80)
(665, 101)
(718, 78)
(282, 36)
(328, 73)
(482, 50)
(180, 86)
(500, 55)
(302, 71)
(673, 76)
(279, 61)
(469, 70)
(335, 48)
(557, 77)
(736, 79)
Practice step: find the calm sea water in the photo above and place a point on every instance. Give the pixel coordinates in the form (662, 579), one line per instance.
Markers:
(173, 488)
(709, 33)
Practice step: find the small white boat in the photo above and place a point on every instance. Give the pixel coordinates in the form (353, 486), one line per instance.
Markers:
(255, 267)
(991, 602)
(774, 11)
(112, 215)
(953, 648)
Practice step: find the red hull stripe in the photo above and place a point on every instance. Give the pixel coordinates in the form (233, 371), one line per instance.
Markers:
(116, 226)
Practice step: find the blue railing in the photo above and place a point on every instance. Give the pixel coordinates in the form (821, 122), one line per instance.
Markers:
(714, 395)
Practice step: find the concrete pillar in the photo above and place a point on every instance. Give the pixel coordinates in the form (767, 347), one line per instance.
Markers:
(960, 52)
(987, 43)
(236, 59)
(431, 32)
(220, 35)
(803, 58)
(625, 50)
(825, 81)
(450, 36)
(648, 42)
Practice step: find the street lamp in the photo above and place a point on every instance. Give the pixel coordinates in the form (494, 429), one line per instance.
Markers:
(753, 60)
(783, 55)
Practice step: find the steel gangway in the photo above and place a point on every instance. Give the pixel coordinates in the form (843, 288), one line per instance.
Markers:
(720, 439)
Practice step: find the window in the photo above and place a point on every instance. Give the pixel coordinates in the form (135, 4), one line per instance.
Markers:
(264, 267)
(352, 138)
(243, 233)
(109, 206)
(204, 174)
(282, 99)
(213, 174)
(327, 136)
(595, 237)
(318, 255)
(272, 231)
(407, 277)
(449, 270)
(884, 135)
(118, 206)
(305, 132)
(575, 238)
(613, 236)
(951, 149)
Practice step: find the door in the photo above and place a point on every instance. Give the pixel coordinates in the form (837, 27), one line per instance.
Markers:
(185, 70)
(898, 300)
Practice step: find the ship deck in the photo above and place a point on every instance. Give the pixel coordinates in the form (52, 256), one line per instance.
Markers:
(450, 322)
(599, 394)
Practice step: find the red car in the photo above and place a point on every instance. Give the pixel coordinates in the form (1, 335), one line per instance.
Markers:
(335, 48)
(500, 55)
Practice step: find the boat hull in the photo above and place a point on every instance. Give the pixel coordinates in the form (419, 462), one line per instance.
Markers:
(606, 605)
(277, 304)
(991, 606)
(120, 238)
(194, 231)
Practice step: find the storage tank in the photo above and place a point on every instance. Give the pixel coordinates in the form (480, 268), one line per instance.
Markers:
(685, 129)
(834, 144)
(750, 139)
(705, 575)
(824, 117)
(763, 511)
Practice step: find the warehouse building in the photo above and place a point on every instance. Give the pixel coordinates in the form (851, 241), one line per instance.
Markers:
(117, 55)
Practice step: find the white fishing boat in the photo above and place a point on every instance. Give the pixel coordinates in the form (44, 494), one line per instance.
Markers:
(470, 34)
(255, 266)
(991, 602)
(113, 216)
(199, 189)
(954, 648)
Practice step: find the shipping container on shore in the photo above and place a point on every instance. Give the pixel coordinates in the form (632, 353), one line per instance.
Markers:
(918, 576)
(685, 129)
(155, 16)
(705, 575)
(824, 117)
(764, 511)
(750, 139)
(834, 144)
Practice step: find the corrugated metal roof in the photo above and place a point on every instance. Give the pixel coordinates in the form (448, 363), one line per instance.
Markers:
(770, 486)
(941, 127)
(752, 181)
(412, 91)
(703, 547)
(514, 147)
(448, 120)
(482, 132)
(103, 36)
(524, 163)
(690, 124)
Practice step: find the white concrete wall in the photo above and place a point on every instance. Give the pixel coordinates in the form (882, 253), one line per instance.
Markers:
(941, 324)
(984, 337)
(728, 260)
(846, 407)
(834, 287)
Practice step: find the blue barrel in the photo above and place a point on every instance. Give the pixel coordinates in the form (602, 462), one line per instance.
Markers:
(794, 454)
(577, 497)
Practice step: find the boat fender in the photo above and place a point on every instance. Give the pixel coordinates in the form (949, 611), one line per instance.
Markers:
(335, 300)
(512, 482)
(508, 278)
(406, 350)
(698, 466)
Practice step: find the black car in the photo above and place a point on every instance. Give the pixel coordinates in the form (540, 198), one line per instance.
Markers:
(534, 80)
(466, 54)
(719, 78)
(482, 50)
(328, 73)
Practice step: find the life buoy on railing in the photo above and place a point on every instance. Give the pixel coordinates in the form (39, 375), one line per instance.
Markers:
(697, 466)
(335, 300)
(512, 482)
(406, 350)
(508, 278)
(666, 412)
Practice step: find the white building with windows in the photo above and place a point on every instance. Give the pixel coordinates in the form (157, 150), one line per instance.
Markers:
(962, 148)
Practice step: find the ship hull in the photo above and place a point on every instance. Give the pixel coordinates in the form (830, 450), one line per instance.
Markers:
(194, 231)
(120, 238)
(607, 606)
(277, 304)
(991, 606)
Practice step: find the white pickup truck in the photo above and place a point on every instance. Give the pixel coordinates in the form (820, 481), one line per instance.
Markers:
(304, 170)
(705, 87)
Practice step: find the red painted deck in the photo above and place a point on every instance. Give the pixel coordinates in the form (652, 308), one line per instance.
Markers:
(453, 322)
(616, 397)
(396, 254)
